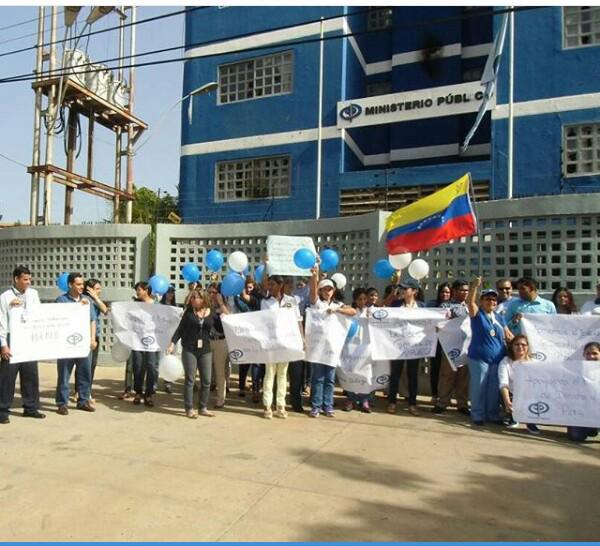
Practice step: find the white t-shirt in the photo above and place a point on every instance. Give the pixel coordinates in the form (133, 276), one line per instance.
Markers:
(286, 301)
(321, 305)
(30, 297)
(506, 371)
(590, 308)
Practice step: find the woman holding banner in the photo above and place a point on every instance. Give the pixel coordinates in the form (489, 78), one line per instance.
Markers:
(218, 345)
(323, 375)
(579, 434)
(194, 331)
(488, 347)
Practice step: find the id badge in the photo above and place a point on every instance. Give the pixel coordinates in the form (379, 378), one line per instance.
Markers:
(200, 343)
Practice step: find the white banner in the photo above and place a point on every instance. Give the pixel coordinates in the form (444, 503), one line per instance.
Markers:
(281, 250)
(559, 337)
(263, 337)
(146, 327)
(455, 338)
(49, 331)
(401, 333)
(325, 335)
(557, 393)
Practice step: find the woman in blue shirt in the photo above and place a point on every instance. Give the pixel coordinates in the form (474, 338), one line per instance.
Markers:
(488, 347)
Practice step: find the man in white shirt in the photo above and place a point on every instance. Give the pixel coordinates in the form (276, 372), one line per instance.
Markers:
(592, 307)
(20, 294)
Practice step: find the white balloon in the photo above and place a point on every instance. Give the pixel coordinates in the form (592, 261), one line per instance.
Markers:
(400, 261)
(237, 261)
(418, 269)
(170, 368)
(120, 352)
(339, 280)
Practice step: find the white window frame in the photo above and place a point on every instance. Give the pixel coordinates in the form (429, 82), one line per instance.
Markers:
(256, 75)
(595, 149)
(252, 168)
(564, 29)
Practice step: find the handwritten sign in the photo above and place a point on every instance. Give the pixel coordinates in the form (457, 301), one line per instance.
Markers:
(264, 337)
(281, 250)
(557, 393)
(144, 327)
(455, 338)
(325, 336)
(559, 337)
(49, 331)
(401, 333)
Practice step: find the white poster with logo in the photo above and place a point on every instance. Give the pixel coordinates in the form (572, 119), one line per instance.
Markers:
(455, 338)
(263, 337)
(145, 327)
(325, 334)
(281, 250)
(49, 331)
(403, 333)
(557, 393)
(559, 337)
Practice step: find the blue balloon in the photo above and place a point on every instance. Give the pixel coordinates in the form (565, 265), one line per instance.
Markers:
(329, 259)
(232, 285)
(190, 272)
(304, 258)
(354, 327)
(246, 271)
(383, 269)
(159, 284)
(214, 260)
(259, 272)
(63, 282)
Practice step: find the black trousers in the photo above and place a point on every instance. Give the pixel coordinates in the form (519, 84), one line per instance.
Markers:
(29, 381)
(243, 370)
(296, 371)
(412, 371)
(434, 371)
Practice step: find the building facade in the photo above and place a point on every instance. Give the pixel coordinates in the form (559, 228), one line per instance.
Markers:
(373, 114)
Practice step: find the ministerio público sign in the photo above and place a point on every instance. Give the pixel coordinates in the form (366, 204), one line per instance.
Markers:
(448, 100)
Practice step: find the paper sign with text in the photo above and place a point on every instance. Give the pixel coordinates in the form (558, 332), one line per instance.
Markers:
(455, 338)
(325, 336)
(281, 250)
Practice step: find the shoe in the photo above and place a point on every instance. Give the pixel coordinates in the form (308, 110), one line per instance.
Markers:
(438, 409)
(127, 395)
(242, 394)
(220, 406)
(512, 424)
(413, 410)
(314, 412)
(465, 411)
(478, 423)
(391, 408)
(365, 408)
(256, 397)
(169, 388)
(298, 410)
(593, 434)
(268, 413)
(35, 414)
(191, 414)
(281, 413)
(137, 400)
(148, 402)
(348, 406)
(205, 413)
(86, 406)
(533, 429)
(62, 410)
(329, 413)
(4, 420)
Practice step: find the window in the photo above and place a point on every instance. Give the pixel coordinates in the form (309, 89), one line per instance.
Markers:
(379, 18)
(379, 88)
(581, 26)
(581, 149)
(255, 78)
(472, 74)
(260, 178)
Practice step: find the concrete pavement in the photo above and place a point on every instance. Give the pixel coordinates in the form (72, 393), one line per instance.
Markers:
(130, 473)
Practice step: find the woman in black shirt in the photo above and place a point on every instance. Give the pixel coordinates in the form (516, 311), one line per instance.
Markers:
(194, 332)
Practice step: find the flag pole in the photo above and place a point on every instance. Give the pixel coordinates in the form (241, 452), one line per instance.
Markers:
(478, 225)
(511, 87)
(320, 127)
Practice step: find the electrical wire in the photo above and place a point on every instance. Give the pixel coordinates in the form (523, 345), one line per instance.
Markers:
(291, 42)
(32, 20)
(13, 161)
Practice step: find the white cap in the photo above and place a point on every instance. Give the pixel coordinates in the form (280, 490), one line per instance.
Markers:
(326, 282)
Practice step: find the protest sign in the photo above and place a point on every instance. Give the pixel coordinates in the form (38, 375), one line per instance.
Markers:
(557, 393)
(374, 376)
(402, 333)
(455, 338)
(325, 336)
(281, 249)
(559, 337)
(264, 337)
(48, 331)
(144, 327)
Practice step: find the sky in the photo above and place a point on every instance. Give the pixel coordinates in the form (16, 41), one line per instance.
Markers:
(158, 89)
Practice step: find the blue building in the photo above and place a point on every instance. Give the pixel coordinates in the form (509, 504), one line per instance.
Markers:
(400, 90)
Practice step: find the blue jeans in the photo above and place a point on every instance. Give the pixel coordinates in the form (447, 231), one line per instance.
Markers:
(322, 386)
(145, 367)
(83, 382)
(258, 373)
(484, 391)
(358, 398)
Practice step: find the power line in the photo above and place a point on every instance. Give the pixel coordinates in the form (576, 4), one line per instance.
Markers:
(65, 71)
(13, 160)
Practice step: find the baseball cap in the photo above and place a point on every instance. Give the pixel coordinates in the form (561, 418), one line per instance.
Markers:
(409, 283)
(326, 282)
(489, 292)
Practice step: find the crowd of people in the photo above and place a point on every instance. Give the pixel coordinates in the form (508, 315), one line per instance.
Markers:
(482, 388)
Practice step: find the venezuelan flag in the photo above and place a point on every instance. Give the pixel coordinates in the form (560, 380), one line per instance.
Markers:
(444, 215)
